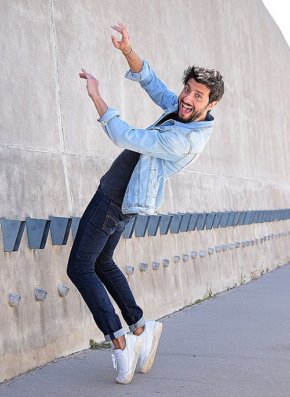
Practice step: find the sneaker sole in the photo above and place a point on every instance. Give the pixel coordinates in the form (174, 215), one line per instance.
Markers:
(151, 357)
(137, 350)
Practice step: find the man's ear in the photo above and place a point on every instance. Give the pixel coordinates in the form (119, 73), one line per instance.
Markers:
(211, 105)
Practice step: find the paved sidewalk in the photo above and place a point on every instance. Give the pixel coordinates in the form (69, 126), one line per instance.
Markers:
(236, 344)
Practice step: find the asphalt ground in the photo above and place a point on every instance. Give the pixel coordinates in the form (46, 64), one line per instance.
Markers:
(234, 344)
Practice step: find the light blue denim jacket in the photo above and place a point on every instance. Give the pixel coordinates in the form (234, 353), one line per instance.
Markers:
(165, 149)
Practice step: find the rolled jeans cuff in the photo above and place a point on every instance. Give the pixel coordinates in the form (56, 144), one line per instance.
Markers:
(140, 323)
(115, 335)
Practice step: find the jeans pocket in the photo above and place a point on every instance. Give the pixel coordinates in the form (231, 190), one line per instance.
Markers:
(113, 219)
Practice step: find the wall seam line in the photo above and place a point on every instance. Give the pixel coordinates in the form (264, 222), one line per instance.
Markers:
(59, 110)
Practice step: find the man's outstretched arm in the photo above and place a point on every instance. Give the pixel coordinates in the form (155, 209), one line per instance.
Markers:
(140, 71)
(151, 142)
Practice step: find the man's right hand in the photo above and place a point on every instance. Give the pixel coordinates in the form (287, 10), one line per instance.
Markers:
(123, 44)
(92, 83)
(93, 91)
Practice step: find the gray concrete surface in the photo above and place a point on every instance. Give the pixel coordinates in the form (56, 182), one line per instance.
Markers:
(235, 344)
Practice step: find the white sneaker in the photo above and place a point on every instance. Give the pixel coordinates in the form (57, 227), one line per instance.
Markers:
(125, 361)
(150, 338)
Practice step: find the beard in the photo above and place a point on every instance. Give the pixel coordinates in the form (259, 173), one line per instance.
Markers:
(195, 115)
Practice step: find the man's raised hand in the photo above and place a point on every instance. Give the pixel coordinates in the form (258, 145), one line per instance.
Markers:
(123, 44)
(93, 91)
(92, 83)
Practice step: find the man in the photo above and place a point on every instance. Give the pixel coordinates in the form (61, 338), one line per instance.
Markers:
(135, 185)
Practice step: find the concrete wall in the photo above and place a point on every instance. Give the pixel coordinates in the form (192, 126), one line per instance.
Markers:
(53, 152)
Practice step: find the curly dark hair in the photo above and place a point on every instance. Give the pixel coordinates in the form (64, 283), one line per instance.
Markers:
(209, 77)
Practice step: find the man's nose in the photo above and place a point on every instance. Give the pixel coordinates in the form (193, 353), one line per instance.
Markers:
(188, 97)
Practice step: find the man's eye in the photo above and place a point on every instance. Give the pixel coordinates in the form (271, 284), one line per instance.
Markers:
(197, 96)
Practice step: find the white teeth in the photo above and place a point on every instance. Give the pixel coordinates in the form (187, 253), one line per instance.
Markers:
(187, 106)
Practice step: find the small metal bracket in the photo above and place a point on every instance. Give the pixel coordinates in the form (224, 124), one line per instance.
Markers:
(12, 232)
(37, 231)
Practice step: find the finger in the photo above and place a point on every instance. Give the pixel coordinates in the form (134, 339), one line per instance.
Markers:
(122, 25)
(117, 28)
(121, 28)
(124, 28)
(125, 34)
(115, 41)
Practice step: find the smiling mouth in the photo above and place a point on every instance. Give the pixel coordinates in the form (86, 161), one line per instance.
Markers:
(185, 108)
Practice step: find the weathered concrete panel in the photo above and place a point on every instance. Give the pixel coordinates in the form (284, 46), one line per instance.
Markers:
(28, 91)
(33, 184)
(195, 191)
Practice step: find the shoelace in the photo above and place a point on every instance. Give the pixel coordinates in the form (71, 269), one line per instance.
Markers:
(115, 364)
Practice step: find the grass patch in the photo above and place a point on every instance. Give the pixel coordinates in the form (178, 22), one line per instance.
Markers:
(99, 346)
(207, 297)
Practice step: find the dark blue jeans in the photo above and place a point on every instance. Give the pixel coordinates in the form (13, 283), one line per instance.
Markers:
(91, 267)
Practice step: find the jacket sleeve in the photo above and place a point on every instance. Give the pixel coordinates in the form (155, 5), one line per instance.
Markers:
(154, 87)
(165, 144)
